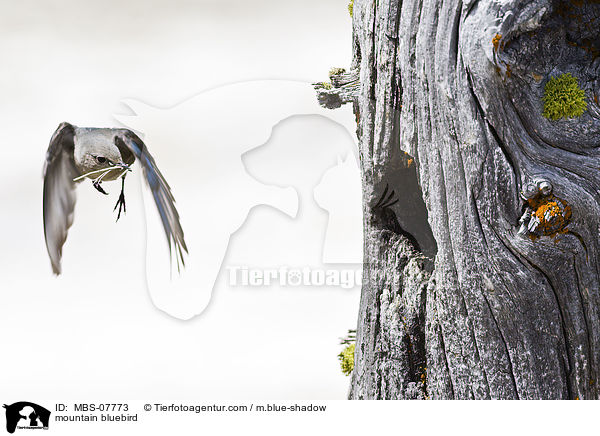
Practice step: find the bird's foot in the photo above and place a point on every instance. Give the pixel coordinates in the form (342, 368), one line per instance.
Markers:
(121, 205)
(387, 199)
(98, 187)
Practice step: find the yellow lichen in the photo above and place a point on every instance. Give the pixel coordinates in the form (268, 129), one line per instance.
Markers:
(336, 71)
(346, 358)
(563, 98)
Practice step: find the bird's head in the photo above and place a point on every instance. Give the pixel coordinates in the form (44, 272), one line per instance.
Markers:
(101, 156)
(94, 153)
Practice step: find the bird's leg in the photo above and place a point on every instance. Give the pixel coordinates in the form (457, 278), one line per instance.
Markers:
(121, 200)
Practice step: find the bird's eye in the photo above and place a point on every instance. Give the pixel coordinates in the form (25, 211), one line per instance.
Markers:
(101, 159)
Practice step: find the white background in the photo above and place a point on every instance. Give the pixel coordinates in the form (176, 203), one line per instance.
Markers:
(94, 330)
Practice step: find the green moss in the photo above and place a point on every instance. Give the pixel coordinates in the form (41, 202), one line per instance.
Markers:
(335, 71)
(346, 358)
(563, 98)
(351, 7)
(326, 85)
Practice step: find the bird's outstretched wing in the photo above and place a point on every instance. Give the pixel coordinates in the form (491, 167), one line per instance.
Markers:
(165, 203)
(59, 192)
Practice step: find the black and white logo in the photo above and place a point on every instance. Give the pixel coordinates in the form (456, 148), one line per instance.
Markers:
(26, 415)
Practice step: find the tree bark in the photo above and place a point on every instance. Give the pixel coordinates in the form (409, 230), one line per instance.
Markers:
(461, 298)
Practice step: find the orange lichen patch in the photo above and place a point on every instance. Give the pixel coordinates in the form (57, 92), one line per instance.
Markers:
(408, 160)
(547, 211)
(553, 215)
(423, 376)
(496, 41)
(536, 77)
(508, 71)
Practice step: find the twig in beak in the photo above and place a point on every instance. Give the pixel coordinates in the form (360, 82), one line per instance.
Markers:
(96, 171)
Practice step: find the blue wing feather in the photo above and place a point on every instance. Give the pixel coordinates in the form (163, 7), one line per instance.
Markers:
(165, 202)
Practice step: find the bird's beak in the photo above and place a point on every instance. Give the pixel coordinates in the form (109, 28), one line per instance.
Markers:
(124, 166)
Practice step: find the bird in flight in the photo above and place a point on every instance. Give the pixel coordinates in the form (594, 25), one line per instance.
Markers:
(101, 155)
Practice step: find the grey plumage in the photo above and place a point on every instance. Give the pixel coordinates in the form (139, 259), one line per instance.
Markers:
(100, 154)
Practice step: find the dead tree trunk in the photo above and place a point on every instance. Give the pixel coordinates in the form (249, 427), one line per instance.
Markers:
(482, 281)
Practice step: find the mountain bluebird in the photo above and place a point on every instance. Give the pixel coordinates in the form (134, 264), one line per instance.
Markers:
(100, 154)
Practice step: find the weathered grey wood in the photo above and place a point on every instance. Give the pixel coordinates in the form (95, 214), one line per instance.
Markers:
(343, 89)
(497, 314)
